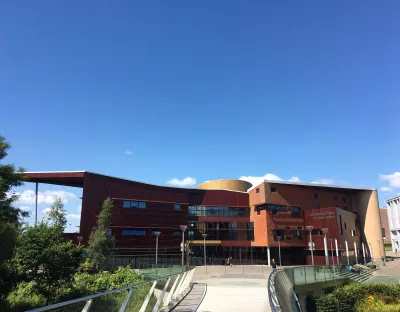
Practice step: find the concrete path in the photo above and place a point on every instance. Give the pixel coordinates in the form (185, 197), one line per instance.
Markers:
(240, 288)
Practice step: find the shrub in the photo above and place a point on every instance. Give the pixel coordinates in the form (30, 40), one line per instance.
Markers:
(25, 297)
(371, 266)
(346, 298)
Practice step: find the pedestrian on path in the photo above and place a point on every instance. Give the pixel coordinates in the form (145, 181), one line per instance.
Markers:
(383, 261)
(273, 265)
(231, 261)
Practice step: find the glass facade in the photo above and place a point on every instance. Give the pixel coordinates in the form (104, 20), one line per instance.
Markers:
(134, 204)
(221, 230)
(213, 211)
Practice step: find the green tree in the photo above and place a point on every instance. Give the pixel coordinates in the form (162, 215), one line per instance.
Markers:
(44, 257)
(56, 215)
(100, 241)
(9, 177)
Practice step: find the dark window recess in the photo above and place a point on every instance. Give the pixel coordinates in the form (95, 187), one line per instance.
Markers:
(271, 207)
(278, 233)
(298, 234)
(214, 211)
(344, 199)
(134, 204)
(177, 233)
(134, 232)
(383, 232)
(288, 238)
(316, 206)
(274, 212)
(356, 223)
(273, 189)
(315, 195)
(335, 197)
(341, 225)
(257, 190)
(191, 235)
(153, 232)
(345, 226)
(177, 207)
(295, 212)
(258, 212)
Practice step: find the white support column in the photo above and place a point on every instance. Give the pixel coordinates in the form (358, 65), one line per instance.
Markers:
(146, 301)
(269, 256)
(168, 299)
(177, 291)
(188, 280)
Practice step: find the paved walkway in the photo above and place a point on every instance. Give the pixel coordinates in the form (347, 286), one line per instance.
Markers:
(392, 268)
(240, 288)
(193, 299)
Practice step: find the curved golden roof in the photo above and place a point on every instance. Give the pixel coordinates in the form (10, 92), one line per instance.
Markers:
(230, 185)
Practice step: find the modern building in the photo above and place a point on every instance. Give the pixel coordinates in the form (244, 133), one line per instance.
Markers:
(240, 221)
(393, 209)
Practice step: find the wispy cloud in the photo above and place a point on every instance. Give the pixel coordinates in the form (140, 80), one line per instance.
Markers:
(386, 189)
(72, 216)
(188, 181)
(294, 179)
(46, 210)
(258, 180)
(27, 197)
(25, 208)
(393, 179)
(323, 181)
(128, 152)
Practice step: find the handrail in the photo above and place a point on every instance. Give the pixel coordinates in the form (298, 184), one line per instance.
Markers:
(90, 297)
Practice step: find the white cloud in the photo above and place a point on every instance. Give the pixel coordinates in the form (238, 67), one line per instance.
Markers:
(386, 189)
(27, 197)
(79, 208)
(294, 179)
(258, 180)
(323, 181)
(182, 183)
(128, 152)
(46, 210)
(393, 179)
(72, 216)
(25, 208)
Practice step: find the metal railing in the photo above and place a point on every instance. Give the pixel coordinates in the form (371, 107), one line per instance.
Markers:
(282, 297)
(147, 296)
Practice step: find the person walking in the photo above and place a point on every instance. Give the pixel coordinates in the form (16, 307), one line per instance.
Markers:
(383, 261)
(231, 261)
(273, 265)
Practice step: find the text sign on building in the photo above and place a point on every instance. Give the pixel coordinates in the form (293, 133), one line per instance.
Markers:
(323, 215)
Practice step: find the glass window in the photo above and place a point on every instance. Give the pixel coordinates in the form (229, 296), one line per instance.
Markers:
(134, 204)
(273, 189)
(142, 205)
(177, 207)
(153, 232)
(177, 233)
(257, 190)
(295, 212)
(316, 206)
(134, 232)
(127, 204)
(278, 233)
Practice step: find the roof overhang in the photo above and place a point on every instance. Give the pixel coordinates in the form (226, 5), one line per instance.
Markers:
(66, 178)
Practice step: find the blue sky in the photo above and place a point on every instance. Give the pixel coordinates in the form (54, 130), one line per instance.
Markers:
(203, 90)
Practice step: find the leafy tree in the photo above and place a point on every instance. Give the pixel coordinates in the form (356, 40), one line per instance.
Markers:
(9, 177)
(44, 257)
(56, 215)
(100, 242)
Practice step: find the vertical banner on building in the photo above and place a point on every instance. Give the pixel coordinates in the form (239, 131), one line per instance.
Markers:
(363, 248)
(347, 253)
(326, 251)
(355, 251)
(337, 251)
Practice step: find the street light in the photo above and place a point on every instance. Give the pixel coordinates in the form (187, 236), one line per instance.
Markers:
(79, 238)
(157, 234)
(310, 228)
(183, 228)
(205, 255)
(325, 231)
(279, 244)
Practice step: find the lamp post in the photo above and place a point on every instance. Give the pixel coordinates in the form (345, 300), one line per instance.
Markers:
(205, 255)
(325, 231)
(183, 228)
(79, 238)
(279, 244)
(363, 249)
(347, 252)
(310, 228)
(355, 252)
(157, 234)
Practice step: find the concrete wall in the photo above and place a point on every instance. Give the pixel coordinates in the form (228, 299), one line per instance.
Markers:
(393, 211)
(367, 207)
